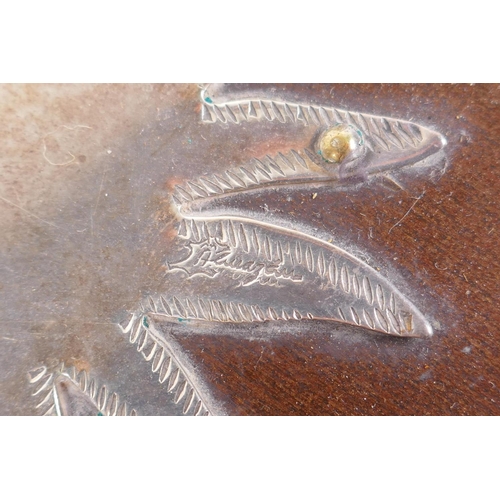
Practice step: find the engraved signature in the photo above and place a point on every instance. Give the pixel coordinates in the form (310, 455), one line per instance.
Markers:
(212, 258)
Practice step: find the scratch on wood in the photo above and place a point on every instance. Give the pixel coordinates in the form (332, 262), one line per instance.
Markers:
(260, 357)
(406, 214)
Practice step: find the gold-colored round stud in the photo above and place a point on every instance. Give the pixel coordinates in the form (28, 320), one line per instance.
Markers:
(338, 142)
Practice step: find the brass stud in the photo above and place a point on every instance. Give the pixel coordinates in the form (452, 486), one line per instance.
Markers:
(337, 142)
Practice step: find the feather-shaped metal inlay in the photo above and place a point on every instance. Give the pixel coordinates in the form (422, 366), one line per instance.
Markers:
(65, 391)
(337, 147)
(161, 350)
(253, 264)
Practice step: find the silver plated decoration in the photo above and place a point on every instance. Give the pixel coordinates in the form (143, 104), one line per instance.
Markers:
(231, 267)
(68, 392)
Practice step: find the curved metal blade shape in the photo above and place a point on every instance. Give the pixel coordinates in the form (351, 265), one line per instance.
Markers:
(243, 271)
(385, 144)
